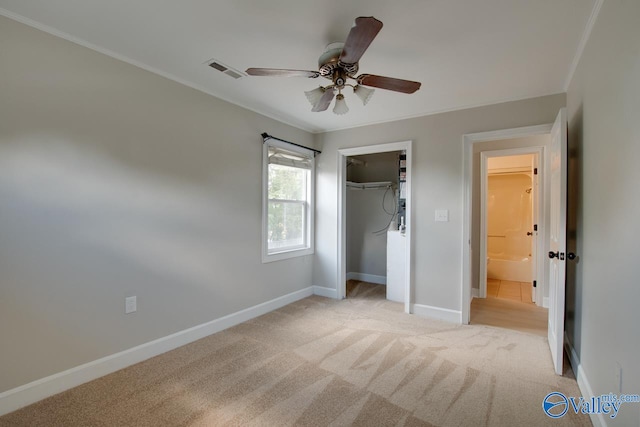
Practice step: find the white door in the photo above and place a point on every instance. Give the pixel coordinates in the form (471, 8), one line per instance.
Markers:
(534, 227)
(557, 237)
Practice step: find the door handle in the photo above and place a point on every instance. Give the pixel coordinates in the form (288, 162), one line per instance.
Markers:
(529, 233)
(553, 255)
(571, 256)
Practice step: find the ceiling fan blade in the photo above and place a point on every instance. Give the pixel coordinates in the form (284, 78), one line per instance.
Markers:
(359, 39)
(388, 83)
(277, 72)
(324, 102)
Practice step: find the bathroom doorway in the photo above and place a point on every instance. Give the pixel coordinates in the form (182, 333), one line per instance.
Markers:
(550, 142)
(510, 197)
(510, 234)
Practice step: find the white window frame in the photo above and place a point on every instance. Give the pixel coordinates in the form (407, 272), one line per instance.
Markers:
(308, 247)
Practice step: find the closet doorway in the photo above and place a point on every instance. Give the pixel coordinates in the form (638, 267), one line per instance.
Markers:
(375, 211)
(370, 166)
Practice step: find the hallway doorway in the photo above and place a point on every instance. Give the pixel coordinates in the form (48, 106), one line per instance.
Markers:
(510, 229)
(479, 148)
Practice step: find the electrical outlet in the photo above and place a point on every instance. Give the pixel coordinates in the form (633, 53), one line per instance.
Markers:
(130, 305)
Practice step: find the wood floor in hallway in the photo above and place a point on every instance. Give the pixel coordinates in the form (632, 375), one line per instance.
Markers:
(508, 305)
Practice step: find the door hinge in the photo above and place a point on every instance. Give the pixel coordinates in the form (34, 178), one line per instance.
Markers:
(535, 227)
(535, 171)
(535, 284)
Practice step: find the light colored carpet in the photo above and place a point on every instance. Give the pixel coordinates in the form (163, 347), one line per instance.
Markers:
(316, 362)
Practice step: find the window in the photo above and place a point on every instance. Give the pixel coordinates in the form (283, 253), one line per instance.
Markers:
(287, 211)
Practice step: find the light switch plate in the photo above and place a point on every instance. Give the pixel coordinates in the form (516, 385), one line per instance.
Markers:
(442, 215)
(130, 305)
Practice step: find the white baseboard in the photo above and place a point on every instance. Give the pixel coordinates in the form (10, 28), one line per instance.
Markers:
(598, 420)
(325, 292)
(475, 293)
(453, 316)
(545, 302)
(27, 394)
(371, 278)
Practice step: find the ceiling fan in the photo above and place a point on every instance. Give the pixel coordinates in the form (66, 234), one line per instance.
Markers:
(339, 63)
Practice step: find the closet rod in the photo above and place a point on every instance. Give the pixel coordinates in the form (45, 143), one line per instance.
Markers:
(369, 185)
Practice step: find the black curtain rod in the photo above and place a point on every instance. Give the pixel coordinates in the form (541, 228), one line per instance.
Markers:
(266, 137)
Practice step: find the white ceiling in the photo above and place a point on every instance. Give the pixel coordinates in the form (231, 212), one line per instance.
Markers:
(465, 52)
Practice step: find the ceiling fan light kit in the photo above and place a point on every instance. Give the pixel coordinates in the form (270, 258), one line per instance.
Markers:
(340, 106)
(338, 63)
(314, 95)
(364, 93)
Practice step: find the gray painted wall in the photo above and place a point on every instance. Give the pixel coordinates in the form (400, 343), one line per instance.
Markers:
(603, 103)
(437, 184)
(117, 182)
(367, 252)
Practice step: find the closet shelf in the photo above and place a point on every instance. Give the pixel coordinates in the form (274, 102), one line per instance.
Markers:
(369, 185)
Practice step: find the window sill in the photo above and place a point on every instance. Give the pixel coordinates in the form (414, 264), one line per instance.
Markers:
(286, 254)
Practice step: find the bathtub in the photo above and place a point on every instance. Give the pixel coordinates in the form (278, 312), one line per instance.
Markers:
(507, 267)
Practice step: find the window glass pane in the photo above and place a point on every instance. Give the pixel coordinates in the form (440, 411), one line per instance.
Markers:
(288, 209)
(287, 183)
(286, 224)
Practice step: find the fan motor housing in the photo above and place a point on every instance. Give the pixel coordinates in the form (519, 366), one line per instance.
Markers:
(329, 61)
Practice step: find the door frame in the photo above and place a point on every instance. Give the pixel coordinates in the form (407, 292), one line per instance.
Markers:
(342, 212)
(538, 267)
(468, 142)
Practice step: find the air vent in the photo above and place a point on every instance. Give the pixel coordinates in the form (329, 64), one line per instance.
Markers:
(217, 65)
